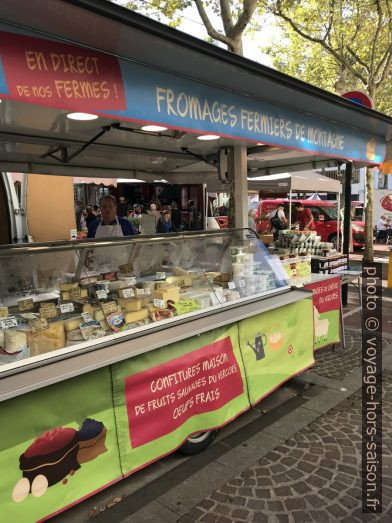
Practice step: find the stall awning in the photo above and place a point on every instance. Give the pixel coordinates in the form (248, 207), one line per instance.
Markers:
(145, 72)
(305, 181)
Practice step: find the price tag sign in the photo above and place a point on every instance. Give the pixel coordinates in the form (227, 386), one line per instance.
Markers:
(39, 325)
(241, 283)
(161, 276)
(25, 305)
(231, 285)
(8, 323)
(160, 304)
(66, 307)
(184, 306)
(131, 280)
(3, 312)
(48, 310)
(75, 293)
(141, 291)
(126, 268)
(86, 317)
(101, 294)
(109, 307)
(128, 293)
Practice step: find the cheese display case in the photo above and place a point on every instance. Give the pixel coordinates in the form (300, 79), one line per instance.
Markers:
(59, 298)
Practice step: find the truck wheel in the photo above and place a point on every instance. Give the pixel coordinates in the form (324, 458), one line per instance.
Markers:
(198, 442)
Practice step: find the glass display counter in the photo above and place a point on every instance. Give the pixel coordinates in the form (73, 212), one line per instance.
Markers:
(59, 298)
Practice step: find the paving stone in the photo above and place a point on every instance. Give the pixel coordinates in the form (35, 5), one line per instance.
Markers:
(240, 513)
(295, 504)
(275, 506)
(256, 504)
(313, 477)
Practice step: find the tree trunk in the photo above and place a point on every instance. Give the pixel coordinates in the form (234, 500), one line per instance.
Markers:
(369, 193)
(236, 47)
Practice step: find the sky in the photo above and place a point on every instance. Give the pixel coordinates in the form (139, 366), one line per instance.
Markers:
(192, 24)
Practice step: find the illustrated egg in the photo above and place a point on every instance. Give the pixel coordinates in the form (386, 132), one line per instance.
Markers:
(39, 486)
(21, 490)
(275, 340)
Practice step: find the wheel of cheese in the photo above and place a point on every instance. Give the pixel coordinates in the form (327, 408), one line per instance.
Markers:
(21, 490)
(39, 486)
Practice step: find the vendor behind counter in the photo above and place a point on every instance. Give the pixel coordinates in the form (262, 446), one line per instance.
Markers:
(110, 225)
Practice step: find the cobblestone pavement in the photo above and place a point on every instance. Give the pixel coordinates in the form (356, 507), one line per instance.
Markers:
(337, 364)
(313, 477)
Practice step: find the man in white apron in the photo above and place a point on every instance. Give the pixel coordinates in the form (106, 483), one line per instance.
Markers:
(109, 225)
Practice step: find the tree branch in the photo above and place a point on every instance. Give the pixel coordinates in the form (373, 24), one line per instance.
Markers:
(216, 35)
(357, 58)
(339, 58)
(244, 18)
(376, 35)
(226, 16)
(387, 68)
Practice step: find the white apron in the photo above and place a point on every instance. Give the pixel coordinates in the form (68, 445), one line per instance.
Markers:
(109, 231)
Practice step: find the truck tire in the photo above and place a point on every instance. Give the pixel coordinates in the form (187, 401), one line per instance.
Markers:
(198, 442)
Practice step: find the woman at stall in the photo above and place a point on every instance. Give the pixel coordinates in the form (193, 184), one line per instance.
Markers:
(109, 225)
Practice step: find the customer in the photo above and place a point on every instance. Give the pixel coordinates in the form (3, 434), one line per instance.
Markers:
(135, 216)
(91, 216)
(79, 208)
(122, 208)
(252, 219)
(110, 225)
(164, 224)
(176, 218)
(278, 220)
(193, 216)
(382, 228)
(304, 217)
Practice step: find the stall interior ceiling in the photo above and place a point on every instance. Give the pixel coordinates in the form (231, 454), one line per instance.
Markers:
(44, 140)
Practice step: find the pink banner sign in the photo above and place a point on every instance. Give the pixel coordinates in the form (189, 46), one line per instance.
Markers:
(161, 399)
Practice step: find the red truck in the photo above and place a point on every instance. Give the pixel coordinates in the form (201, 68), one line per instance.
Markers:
(325, 218)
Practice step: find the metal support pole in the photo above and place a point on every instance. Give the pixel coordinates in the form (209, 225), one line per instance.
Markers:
(290, 197)
(347, 222)
(237, 167)
(339, 222)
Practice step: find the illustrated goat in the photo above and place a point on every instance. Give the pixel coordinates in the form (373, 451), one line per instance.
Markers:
(321, 327)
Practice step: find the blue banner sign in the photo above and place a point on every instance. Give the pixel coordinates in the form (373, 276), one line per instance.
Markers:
(46, 72)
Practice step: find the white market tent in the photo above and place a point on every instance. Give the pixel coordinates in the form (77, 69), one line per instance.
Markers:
(303, 181)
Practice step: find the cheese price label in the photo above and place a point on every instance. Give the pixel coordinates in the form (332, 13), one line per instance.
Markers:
(48, 310)
(128, 293)
(75, 293)
(160, 275)
(109, 307)
(3, 312)
(8, 323)
(66, 307)
(131, 280)
(126, 268)
(241, 283)
(86, 317)
(231, 285)
(39, 325)
(26, 305)
(184, 306)
(160, 304)
(141, 291)
(101, 294)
